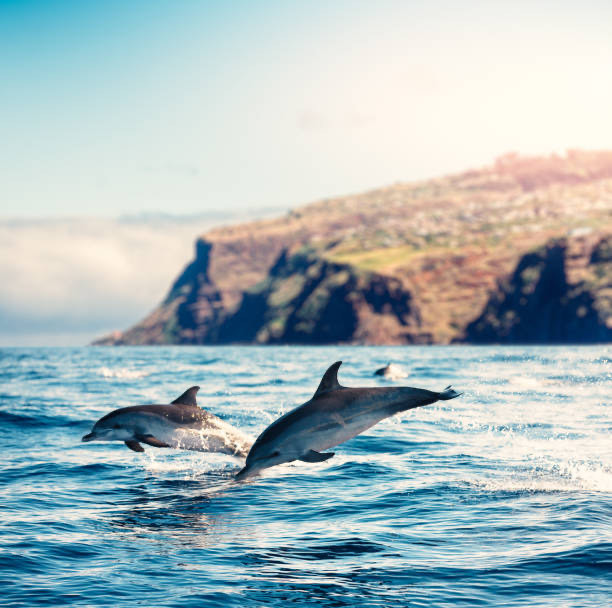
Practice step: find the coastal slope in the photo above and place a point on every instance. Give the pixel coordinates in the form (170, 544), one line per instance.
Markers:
(479, 256)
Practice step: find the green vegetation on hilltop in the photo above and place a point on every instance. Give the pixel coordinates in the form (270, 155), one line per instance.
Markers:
(406, 263)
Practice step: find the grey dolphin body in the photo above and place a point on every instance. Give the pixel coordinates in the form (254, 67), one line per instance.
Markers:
(181, 424)
(334, 415)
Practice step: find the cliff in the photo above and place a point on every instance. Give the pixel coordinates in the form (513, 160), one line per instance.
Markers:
(438, 261)
(560, 293)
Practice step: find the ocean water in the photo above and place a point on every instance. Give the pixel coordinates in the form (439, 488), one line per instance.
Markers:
(502, 497)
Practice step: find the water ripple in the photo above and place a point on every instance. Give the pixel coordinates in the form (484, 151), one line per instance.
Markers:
(501, 497)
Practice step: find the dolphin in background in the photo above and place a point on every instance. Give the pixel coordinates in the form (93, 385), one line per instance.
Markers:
(391, 372)
(180, 424)
(334, 415)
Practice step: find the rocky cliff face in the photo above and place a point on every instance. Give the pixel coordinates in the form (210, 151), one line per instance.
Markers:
(540, 303)
(308, 300)
(438, 261)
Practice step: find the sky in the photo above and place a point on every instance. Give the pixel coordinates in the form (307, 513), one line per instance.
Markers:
(216, 111)
(121, 107)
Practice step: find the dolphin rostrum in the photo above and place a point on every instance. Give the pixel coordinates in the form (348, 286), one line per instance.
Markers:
(181, 424)
(334, 415)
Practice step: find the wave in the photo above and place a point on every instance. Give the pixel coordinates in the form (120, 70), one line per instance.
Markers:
(46, 472)
(39, 420)
(338, 550)
(565, 477)
(122, 373)
(594, 558)
(501, 497)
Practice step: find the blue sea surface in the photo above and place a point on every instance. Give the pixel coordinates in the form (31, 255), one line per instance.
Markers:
(502, 497)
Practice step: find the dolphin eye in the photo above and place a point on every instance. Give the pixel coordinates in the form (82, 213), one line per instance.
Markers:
(117, 426)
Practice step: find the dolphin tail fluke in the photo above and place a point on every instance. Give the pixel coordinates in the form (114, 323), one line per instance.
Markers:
(448, 393)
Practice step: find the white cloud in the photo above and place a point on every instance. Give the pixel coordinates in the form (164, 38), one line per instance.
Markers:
(70, 280)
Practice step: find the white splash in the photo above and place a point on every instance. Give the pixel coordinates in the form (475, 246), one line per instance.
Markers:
(122, 372)
(392, 372)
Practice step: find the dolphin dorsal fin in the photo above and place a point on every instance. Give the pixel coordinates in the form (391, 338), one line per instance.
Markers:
(329, 382)
(188, 397)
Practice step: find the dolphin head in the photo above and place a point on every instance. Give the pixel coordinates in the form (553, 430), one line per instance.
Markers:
(262, 456)
(113, 427)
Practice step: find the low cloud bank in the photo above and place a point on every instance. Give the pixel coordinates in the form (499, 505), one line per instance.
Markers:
(67, 281)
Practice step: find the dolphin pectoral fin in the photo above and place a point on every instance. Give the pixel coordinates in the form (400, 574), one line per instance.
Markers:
(154, 441)
(312, 456)
(134, 445)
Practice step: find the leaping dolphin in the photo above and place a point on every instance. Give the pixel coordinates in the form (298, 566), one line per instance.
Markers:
(181, 424)
(334, 415)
